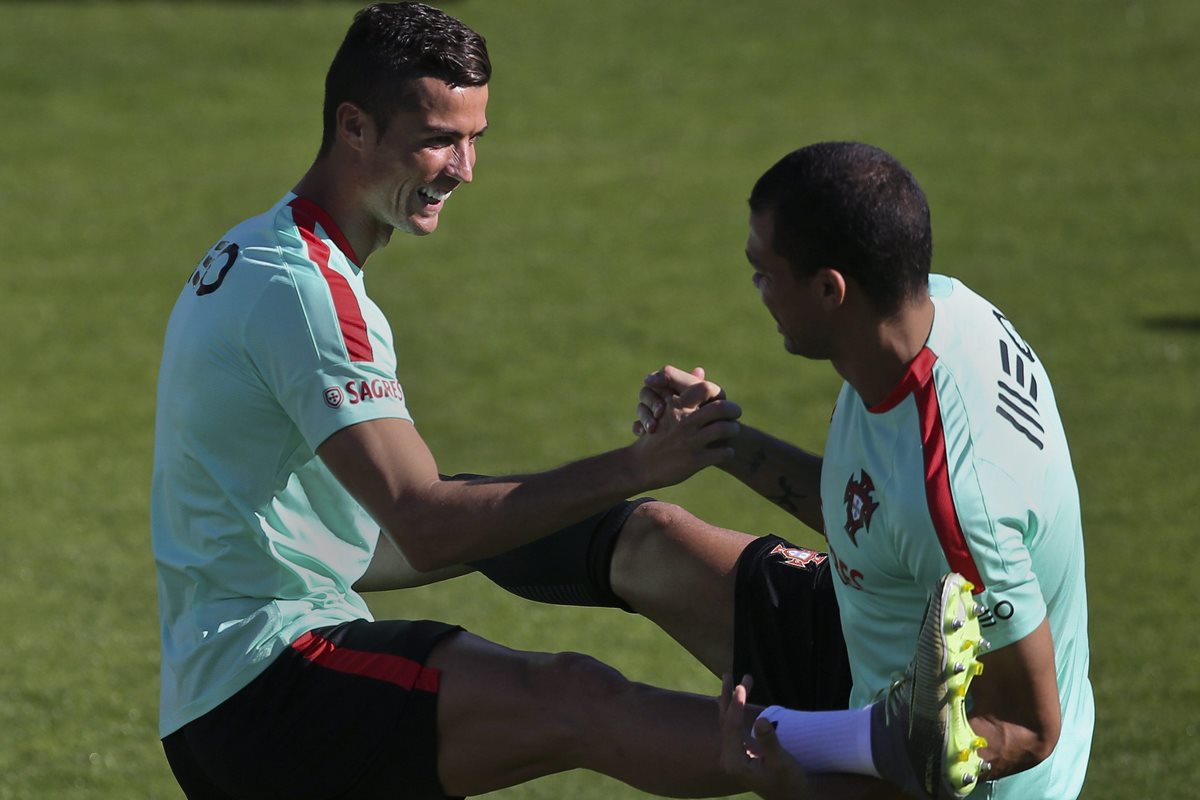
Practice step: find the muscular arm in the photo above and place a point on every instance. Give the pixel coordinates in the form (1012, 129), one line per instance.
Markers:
(389, 570)
(1017, 705)
(784, 474)
(436, 523)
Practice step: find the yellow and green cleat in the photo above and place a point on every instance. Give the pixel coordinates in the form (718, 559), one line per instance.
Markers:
(961, 762)
(926, 745)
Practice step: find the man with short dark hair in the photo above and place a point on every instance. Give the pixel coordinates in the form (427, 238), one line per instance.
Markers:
(945, 452)
(283, 444)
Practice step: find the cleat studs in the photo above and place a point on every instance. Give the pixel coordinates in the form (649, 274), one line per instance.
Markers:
(967, 644)
(984, 645)
(963, 755)
(960, 668)
(958, 624)
(979, 609)
(968, 586)
(978, 742)
(978, 668)
(968, 780)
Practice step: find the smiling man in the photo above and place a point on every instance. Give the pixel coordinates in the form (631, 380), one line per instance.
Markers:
(283, 445)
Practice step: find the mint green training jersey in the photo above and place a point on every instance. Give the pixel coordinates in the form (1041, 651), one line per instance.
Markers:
(963, 467)
(272, 347)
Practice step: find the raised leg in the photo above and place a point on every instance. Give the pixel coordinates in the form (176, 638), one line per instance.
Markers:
(505, 717)
(680, 572)
(646, 556)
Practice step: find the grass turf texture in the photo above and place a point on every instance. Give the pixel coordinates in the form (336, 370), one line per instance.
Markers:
(603, 237)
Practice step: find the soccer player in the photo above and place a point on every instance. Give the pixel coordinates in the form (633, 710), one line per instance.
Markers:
(945, 451)
(283, 444)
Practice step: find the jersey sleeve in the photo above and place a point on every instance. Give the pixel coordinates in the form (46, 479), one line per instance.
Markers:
(294, 339)
(999, 521)
(985, 511)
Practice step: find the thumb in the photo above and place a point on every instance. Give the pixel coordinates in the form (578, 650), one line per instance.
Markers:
(698, 372)
(698, 394)
(764, 734)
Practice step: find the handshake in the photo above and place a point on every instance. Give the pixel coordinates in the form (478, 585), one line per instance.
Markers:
(684, 424)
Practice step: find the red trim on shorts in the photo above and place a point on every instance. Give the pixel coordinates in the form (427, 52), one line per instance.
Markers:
(381, 666)
(937, 481)
(307, 216)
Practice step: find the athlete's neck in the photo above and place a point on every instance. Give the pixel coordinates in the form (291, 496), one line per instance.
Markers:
(324, 185)
(874, 357)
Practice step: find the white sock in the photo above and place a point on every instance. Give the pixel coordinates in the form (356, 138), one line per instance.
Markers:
(826, 741)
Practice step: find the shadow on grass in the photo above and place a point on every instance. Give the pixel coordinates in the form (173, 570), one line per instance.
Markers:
(1173, 323)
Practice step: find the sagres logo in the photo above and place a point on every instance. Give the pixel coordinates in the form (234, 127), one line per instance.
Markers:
(366, 391)
(860, 506)
(334, 397)
(360, 391)
(799, 557)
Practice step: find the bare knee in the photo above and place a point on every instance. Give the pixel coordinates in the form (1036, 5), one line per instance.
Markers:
(665, 553)
(576, 681)
(507, 716)
(582, 692)
(648, 534)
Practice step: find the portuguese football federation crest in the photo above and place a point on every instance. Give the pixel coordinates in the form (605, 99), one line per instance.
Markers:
(859, 505)
(798, 557)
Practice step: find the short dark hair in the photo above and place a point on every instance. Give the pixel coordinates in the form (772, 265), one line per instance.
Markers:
(388, 46)
(854, 208)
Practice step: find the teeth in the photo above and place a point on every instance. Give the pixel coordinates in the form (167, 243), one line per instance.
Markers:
(434, 194)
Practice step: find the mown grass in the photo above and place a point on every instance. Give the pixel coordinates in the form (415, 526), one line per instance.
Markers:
(602, 238)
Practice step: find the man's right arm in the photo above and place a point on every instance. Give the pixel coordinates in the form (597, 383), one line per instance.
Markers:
(784, 474)
(437, 523)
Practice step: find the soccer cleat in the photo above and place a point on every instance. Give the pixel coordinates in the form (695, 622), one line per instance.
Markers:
(927, 745)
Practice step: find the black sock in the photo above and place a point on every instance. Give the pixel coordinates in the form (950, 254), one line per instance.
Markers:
(568, 567)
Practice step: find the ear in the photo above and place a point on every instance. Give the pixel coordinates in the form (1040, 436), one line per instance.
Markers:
(831, 284)
(354, 126)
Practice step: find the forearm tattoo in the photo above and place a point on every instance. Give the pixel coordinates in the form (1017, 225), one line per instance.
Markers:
(784, 500)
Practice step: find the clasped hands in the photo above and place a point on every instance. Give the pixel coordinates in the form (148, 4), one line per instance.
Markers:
(684, 423)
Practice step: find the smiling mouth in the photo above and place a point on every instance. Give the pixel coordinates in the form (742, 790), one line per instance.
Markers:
(431, 196)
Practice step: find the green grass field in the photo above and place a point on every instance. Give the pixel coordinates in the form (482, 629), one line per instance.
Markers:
(1059, 144)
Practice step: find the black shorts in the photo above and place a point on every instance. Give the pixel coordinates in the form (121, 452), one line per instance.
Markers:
(346, 711)
(786, 632)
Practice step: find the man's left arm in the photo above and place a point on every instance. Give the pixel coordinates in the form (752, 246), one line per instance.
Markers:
(1017, 708)
(1016, 703)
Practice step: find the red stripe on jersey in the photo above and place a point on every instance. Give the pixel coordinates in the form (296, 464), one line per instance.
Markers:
(937, 478)
(381, 666)
(316, 212)
(916, 376)
(350, 319)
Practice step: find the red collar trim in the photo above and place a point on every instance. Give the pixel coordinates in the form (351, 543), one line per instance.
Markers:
(306, 206)
(919, 371)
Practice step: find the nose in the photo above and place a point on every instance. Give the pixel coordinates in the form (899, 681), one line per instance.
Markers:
(462, 163)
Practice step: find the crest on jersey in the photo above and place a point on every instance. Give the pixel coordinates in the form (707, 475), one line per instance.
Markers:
(860, 506)
(799, 557)
(334, 397)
